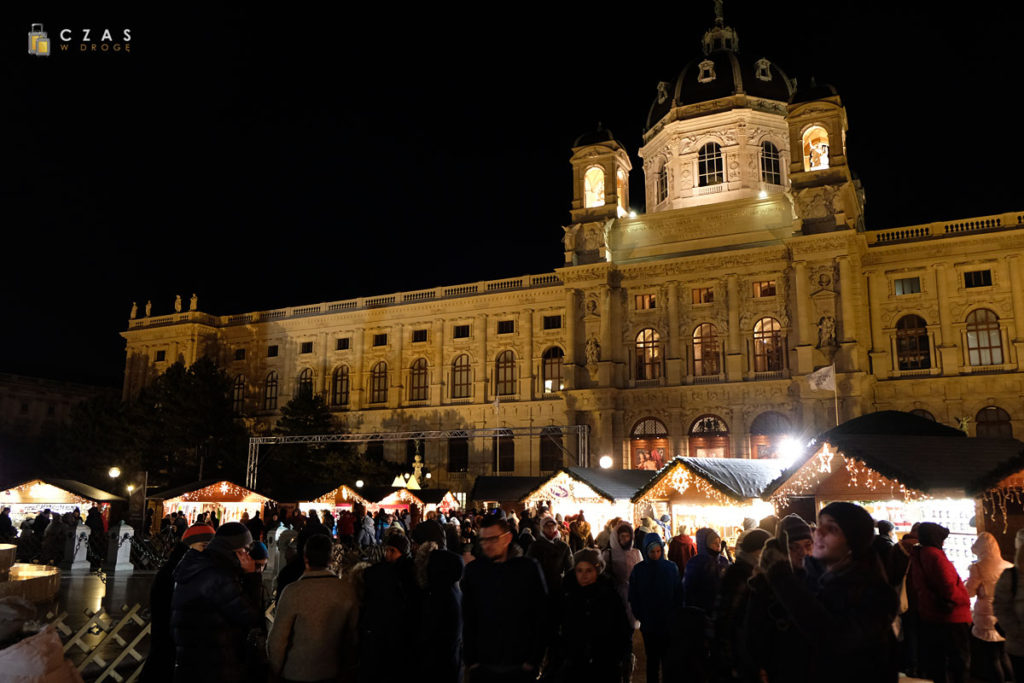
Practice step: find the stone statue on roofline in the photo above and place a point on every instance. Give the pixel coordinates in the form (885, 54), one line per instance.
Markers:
(134, 312)
(193, 303)
(177, 303)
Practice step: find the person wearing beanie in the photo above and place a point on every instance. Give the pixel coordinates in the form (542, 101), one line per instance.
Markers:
(655, 594)
(619, 560)
(391, 596)
(594, 640)
(844, 620)
(704, 572)
(553, 556)
(160, 661)
(942, 605)
(438, 645)
(801, 542)
(883, 543)
(214, 607)
(731, 606)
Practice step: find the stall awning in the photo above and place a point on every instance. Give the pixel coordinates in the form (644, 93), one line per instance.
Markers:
(211, 491)
(49, 490)
(503, 489)
(732, 479)
(590, 482)
(342, 495)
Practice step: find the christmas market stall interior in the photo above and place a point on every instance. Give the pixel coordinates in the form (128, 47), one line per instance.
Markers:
(708, 492)
(228, 500)
(601, 494)
(903, 468)
(58, 495)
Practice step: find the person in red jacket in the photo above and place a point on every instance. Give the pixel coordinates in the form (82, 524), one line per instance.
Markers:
(943, 606)
(681, 549)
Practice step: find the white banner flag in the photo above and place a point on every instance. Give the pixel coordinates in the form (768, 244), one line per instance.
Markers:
(823, 379)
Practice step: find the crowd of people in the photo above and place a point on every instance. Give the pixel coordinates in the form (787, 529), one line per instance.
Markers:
(493, 596)
(42, 539)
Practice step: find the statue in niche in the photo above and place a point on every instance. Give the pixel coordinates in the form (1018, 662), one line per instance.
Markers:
(826, 332)
(149, 308)
(134, 312)
(593, 351)
(177, 304)
(592, 307)
(193, 303)
(962, 424)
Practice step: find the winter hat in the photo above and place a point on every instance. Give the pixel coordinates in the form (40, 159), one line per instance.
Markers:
(666, 519)
(795, 527)
(398, 541)
(931, 534)
(856, 523)
(429, 530)
(749, 523)
(651, 540)
(199, 533)
(589, 555)
(233, 536)
(258, 551)
(752, 540)
(885, 527)
(771, 524)
(547, 519)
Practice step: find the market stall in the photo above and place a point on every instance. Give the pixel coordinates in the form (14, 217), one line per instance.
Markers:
(396, 500)
(336, 501)
(601, 494)
(229, 500)
(441, 500)
(58, 495)
(902, 468)
(717, 493)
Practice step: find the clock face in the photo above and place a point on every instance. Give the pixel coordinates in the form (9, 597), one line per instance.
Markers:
(559, 491)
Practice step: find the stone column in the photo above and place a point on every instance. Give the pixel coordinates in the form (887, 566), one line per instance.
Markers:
(569, 361)
(948, 346)
(485, 365)
(1017, 291)
(397, 371)
(438, 377)
(734, 340)
(881, 363)
(76, 548)
(805, 337)
(528, 378)
(119, 550)
(606, 369)
(357, 371)
(674, 362)
(847, 328)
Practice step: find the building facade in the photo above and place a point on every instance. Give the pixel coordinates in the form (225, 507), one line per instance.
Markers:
(689, 330)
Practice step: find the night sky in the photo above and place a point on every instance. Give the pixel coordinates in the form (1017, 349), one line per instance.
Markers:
(275, 160)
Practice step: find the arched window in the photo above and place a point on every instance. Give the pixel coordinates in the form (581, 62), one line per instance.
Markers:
(662, 182)
(620, 192)
(304, 385)
(984, 343)
(648, 444)
(461, 377)
(270, 391)
(815, 149)
(238, 395)
(458, 452)
(505, 373)
(709, 437)
(707, 355)
(768, 353)
(379, 383)
(993, 422)
(504, 452)
(551, 370)
(709, 165)
(921, 412)
(771, 168)
(339, 386)
(766, 432)
(913, 351)
(648, 355)
(550, 449)
(593, 187)
(418, 381)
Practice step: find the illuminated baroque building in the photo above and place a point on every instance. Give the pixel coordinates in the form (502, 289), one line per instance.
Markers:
(689, 330)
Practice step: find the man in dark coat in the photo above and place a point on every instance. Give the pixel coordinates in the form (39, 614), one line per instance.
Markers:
(731, 608)
(552, 553)
(391, 598)
(438, 572)
(655, 595)
(214, 608)
(504, 599)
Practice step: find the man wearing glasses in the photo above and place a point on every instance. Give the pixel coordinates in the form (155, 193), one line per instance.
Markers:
(503, 604)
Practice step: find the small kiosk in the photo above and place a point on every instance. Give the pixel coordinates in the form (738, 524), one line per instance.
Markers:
(336, 501)
(29, 498)
(227, 498)
(602, 494)
(440, 500)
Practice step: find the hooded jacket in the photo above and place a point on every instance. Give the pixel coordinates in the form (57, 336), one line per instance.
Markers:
(593, 631)
(704, 573)
(212, 611)
(554, 558)
(981, 583)
(941, 595)
(619, 563)
(655, 591)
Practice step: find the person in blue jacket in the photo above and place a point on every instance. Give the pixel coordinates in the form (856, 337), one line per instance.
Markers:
(655, 595)
(704, 571)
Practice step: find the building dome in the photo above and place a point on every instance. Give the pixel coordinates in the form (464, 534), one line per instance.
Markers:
(812, 92)
(721, 73)
(597, 136)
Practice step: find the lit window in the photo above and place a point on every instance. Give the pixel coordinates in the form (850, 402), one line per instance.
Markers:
(620, 193)
(380, 340)
(306, 347)
(645, 302)
(771, 168)
(304, 387)
(648, 355)
(461, 375)
(419, 336)
(978, 278)
(593, 187)
(764, 289)
(913, 350)
(418, 381)
(709, 165)
(703, 295)
(339, 387)
(707, 354)
(505, 374)
(907, 285)
(984, 342)
(551, 370)
(506, 326)
(707, 68)
(238, 395)
(768, 353)
(815, 149)
(993, 423)
(379, 383)
(552, 322)
(270, 392)
(662, 178)
(460, 332)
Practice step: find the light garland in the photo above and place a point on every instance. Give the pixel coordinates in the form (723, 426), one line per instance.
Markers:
(347, 496)
(564, 488)
(400, 496)
(679, 479)
(218, 492)
(995, 499)
(38, 491)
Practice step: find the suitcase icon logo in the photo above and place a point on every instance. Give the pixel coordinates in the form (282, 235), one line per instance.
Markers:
(38, 42)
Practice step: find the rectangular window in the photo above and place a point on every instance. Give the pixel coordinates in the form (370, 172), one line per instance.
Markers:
(645, 302)
(460, 332)
(306, 347)
(552, 322)
(380, 340)
(978, 278)
(343, 344)
(161, 356)
(239, 354)
(907, 285)
(506, 326)
(272, 351)
(763, 289)
(703, 295)
(419, 335)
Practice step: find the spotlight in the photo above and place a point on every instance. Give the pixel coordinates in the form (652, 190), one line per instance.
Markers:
(605, 461)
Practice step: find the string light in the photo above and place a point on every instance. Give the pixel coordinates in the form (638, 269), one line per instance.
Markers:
(38, 491)
(996, 499)
(564, 488)
(218, 492)
(347, 495)
(679, 479)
